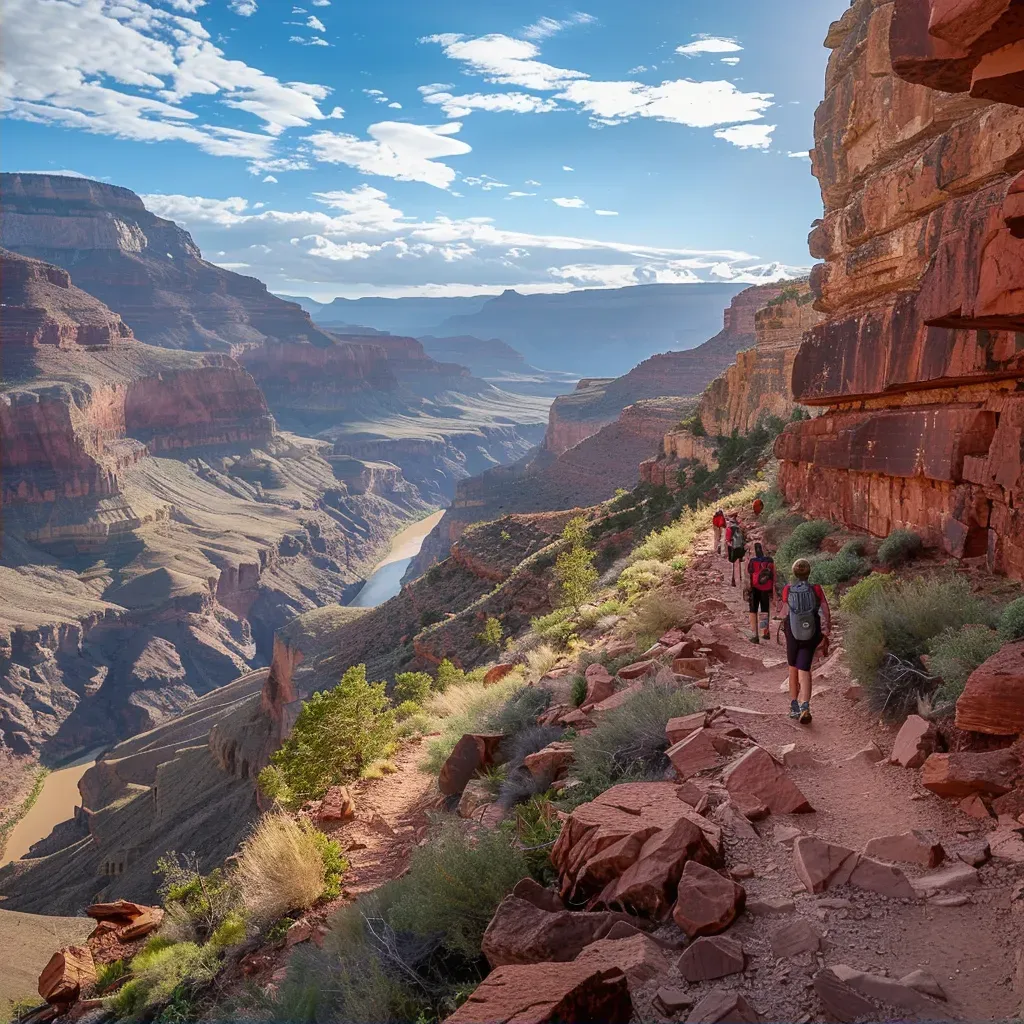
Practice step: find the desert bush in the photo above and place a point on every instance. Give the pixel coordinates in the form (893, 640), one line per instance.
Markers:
(841, 567)
(158, 971)
(448, 674)
(775, 506)
(453, 886)
(857, 597)
(577, 689)
(955, 654)
(460, 710)
(805, 540)
(593, 614)
(540, 661)
(660, 610)
(555, 627)
(1011, 621)
(492, 633)
(283, 865)
(519, 712)
(196, 904)
(899, 547)
(412, 686)
(534, 828)
(109, 974)
(629, 742)
(337, 734)
(893, 627)
(230, 932)
(272, 785)
(642, 576)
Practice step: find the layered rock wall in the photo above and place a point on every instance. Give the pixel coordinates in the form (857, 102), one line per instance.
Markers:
(917, 365)
(758, 384)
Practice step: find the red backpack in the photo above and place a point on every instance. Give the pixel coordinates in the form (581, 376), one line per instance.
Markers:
(763, 573)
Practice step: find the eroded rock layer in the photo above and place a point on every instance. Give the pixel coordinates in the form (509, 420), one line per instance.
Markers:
(917, 365)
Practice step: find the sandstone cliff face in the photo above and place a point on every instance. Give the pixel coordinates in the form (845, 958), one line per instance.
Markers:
(679, 448)
(758, 384)
(597, 402)
(917, 363)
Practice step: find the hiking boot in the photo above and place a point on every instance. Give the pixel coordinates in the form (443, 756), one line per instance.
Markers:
(805, 713)
(794, 709)
(766, 635)
(755, 639)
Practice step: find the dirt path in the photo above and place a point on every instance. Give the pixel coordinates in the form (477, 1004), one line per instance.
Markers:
(970, 948)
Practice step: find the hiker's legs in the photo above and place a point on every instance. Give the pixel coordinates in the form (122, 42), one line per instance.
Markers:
(718, 539)
(794, 683)
(764, 619)
(805, 685)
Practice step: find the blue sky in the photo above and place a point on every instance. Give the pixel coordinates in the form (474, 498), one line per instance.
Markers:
(422, 147)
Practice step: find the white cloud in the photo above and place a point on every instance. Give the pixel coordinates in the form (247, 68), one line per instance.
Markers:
(504, 60)
(638, 70)
(355, 242)
(607, 213)
(531, 181)
(566, 167)
(747, 136)
(312, 41)
(800, 154)
(270, 179)
(394, 105)
(730, 60)
(187, 6)
(709, 44)
(314, 22)
(519, 195)
(321, 3)
(60, 174)
(407, 152)
(573, 203)
(127, 68)
(246, 8)
(284, 163)
(485, 181)
(507, 61)
(544, 27)
(696, 104)
(463, 106)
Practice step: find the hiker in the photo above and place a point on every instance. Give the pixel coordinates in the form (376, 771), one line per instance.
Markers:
(758, 590)
(718, 525)
(735, 543)
(806, 623)
(758, 507)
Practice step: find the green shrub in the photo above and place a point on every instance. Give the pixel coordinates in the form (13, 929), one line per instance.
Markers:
(893, 627)
(230, 932)
(642, 576)
(899, 547)
(857, 597)
(453, 886)
(555, 627)
(448, 674)
(492, 633)
(804, 541)
(520, 711)
(841, 567)
(540, 661)
(412, 686)
(197, 904)
(660, 610)
(574, 567)
(534, 828)
(108, 974)
(578, 690)
(956, 653)
(1011, 621)
(158, 971)
(629, 742)
(337, 734)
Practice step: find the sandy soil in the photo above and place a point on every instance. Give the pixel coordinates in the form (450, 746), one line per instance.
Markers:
(27, 941)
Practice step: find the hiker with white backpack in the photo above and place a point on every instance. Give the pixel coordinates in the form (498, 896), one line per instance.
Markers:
(735, 544)
(806, 623)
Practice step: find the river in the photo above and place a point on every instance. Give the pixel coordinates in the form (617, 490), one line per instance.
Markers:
(56, 803)
(386, 580)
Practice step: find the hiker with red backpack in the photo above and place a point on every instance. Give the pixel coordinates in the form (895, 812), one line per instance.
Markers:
(760, 584)
(717, 526)
(806, 623)
(735, 544)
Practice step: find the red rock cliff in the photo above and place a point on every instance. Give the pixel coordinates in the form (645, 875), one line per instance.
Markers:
(758, 384)
(598, 402)
(917, 363)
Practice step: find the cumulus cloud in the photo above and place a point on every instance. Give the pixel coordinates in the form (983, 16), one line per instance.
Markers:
(607, 213)
(395, 105)
(314, 22)
(321, 3)
(730, 60)
(519, 195)
(246, 8)
(503, 60)
(708, 44)
(747, 136)
(270, 179)
(463, 106)
(129, 69)
(356, 242)
(545, 27)
(570, 203)
(406, 152)
(312, 41)
(799, 154)
(566, 167)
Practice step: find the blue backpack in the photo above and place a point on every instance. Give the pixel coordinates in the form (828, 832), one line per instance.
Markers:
(803, 610)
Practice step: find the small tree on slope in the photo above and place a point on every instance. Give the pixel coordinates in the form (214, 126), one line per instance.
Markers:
(574, 567)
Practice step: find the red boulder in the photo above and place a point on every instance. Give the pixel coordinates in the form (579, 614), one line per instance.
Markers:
(993, 699)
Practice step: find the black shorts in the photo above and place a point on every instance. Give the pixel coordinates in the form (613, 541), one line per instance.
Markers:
(800, 653)
(736, 554)
(760, 600)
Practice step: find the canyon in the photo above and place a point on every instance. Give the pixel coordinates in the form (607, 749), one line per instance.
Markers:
(917, 366)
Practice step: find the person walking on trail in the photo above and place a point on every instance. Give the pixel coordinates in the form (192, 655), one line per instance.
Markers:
(758, 591)
(806, 623)
(735, 544)
(718, 525)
